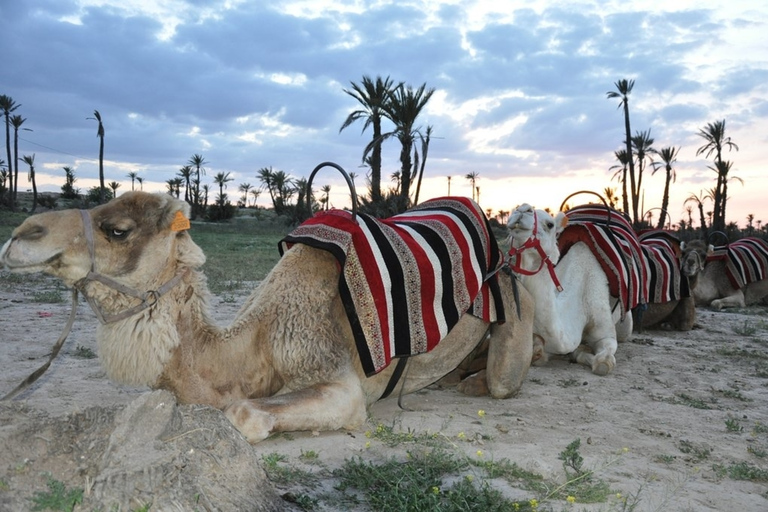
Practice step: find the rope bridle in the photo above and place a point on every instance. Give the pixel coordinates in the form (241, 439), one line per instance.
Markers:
(533, 242)
(148, 298)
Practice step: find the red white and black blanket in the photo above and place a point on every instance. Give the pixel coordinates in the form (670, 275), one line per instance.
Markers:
(406, 280)
(664, 282)
(746, 260)
(615, 245)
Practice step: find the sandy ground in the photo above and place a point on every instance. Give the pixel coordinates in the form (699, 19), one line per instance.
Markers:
(678, 411)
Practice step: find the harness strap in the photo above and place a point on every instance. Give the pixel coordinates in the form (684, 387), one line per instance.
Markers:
(533, 242)
(54, 352)
(395, 377)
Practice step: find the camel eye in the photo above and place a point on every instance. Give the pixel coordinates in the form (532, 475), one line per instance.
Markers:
(550, 224)
(117, 234)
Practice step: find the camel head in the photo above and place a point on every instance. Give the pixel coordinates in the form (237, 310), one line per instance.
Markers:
(529, 227)
(694, 257)
(136, 238)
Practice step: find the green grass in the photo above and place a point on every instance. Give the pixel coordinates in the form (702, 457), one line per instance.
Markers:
(58, 497)
(238, 252)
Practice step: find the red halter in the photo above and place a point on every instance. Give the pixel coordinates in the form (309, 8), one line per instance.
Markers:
(533, 242)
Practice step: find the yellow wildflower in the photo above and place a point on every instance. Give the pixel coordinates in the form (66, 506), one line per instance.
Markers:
(534, 503)
(462, 435)
(435, 490)
(479, 453)
(481, 413)
(367, 444)
(571, 499)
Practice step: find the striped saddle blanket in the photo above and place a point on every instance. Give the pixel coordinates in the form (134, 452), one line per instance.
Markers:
(406, 280)
(746, 260)
(615, 245)
(664, 282)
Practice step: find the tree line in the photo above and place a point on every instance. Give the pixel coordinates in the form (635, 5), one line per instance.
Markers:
(390, 111)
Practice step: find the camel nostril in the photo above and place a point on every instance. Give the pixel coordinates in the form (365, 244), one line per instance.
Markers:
(34, 232)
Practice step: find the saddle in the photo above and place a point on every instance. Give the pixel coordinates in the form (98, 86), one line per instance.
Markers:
(406, 280)
(615, 245)
(746, 260)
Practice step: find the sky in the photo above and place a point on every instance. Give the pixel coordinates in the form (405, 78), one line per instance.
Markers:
(520, 91)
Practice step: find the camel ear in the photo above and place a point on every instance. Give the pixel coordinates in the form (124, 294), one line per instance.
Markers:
(710, 249)
(175, 213)
(561, 221)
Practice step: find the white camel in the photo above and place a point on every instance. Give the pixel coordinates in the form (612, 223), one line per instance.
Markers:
(288, 362)
(584, 311)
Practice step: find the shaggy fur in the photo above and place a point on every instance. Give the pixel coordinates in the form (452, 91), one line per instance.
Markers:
(287, 362)
(584, 311)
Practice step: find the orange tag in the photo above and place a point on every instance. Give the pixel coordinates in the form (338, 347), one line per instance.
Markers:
(180, 222)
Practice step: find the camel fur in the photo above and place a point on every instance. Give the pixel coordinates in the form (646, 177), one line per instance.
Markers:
(714, 289)
(287, 362)
(583, 318)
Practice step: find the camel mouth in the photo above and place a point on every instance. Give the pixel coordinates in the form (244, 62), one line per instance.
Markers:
(25, 267)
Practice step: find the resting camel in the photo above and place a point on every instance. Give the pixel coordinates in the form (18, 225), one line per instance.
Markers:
(584, 311)
(670, 296)
(288, 361)
(734, 275)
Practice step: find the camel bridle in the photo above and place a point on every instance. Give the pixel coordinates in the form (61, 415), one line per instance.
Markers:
(533, 242)
(148, 298)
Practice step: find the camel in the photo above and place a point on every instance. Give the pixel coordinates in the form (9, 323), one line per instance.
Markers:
(734, 275)
(584, 310)
(674, 308)
(288, 361)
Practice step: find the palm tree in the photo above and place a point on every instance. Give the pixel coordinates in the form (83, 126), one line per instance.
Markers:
(326, 190)
(621, 174)
(141, 182)
(283, 187)
(449, 186)
(266, 176)
(372, 96)
(255, 193)
(403, 109)
(100, 135)
(424, 150)
(699, 200)
(668, 157)
(7, 105)
(68, 190)
(472, 177)
(3, 180)
(133, 175)
(114, 186)
(221, 179)
(30, 161)
(610, 196)
(643, 147)
(723, 168)
(623, 90)
(716, 141)
(196, 161)
(16, 121)
(244, 188)
(185, 173)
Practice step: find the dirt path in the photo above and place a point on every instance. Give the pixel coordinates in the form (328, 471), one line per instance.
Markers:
(683, 419)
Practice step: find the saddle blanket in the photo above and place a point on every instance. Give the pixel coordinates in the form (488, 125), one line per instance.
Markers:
(615, 245)
(746, 260)
(406, 280)
(664, 282)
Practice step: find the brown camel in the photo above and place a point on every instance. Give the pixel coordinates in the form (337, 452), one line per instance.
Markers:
(288, 362)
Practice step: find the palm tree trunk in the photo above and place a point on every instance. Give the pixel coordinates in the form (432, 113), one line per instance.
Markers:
(630, 162)
(665, 201)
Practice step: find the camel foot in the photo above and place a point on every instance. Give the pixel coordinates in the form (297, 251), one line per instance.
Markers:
(474, 385)
(602, 368)
(255, 425)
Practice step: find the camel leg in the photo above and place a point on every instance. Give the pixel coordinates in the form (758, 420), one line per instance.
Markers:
(735, 300)
(326, 406)
(598, 355)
